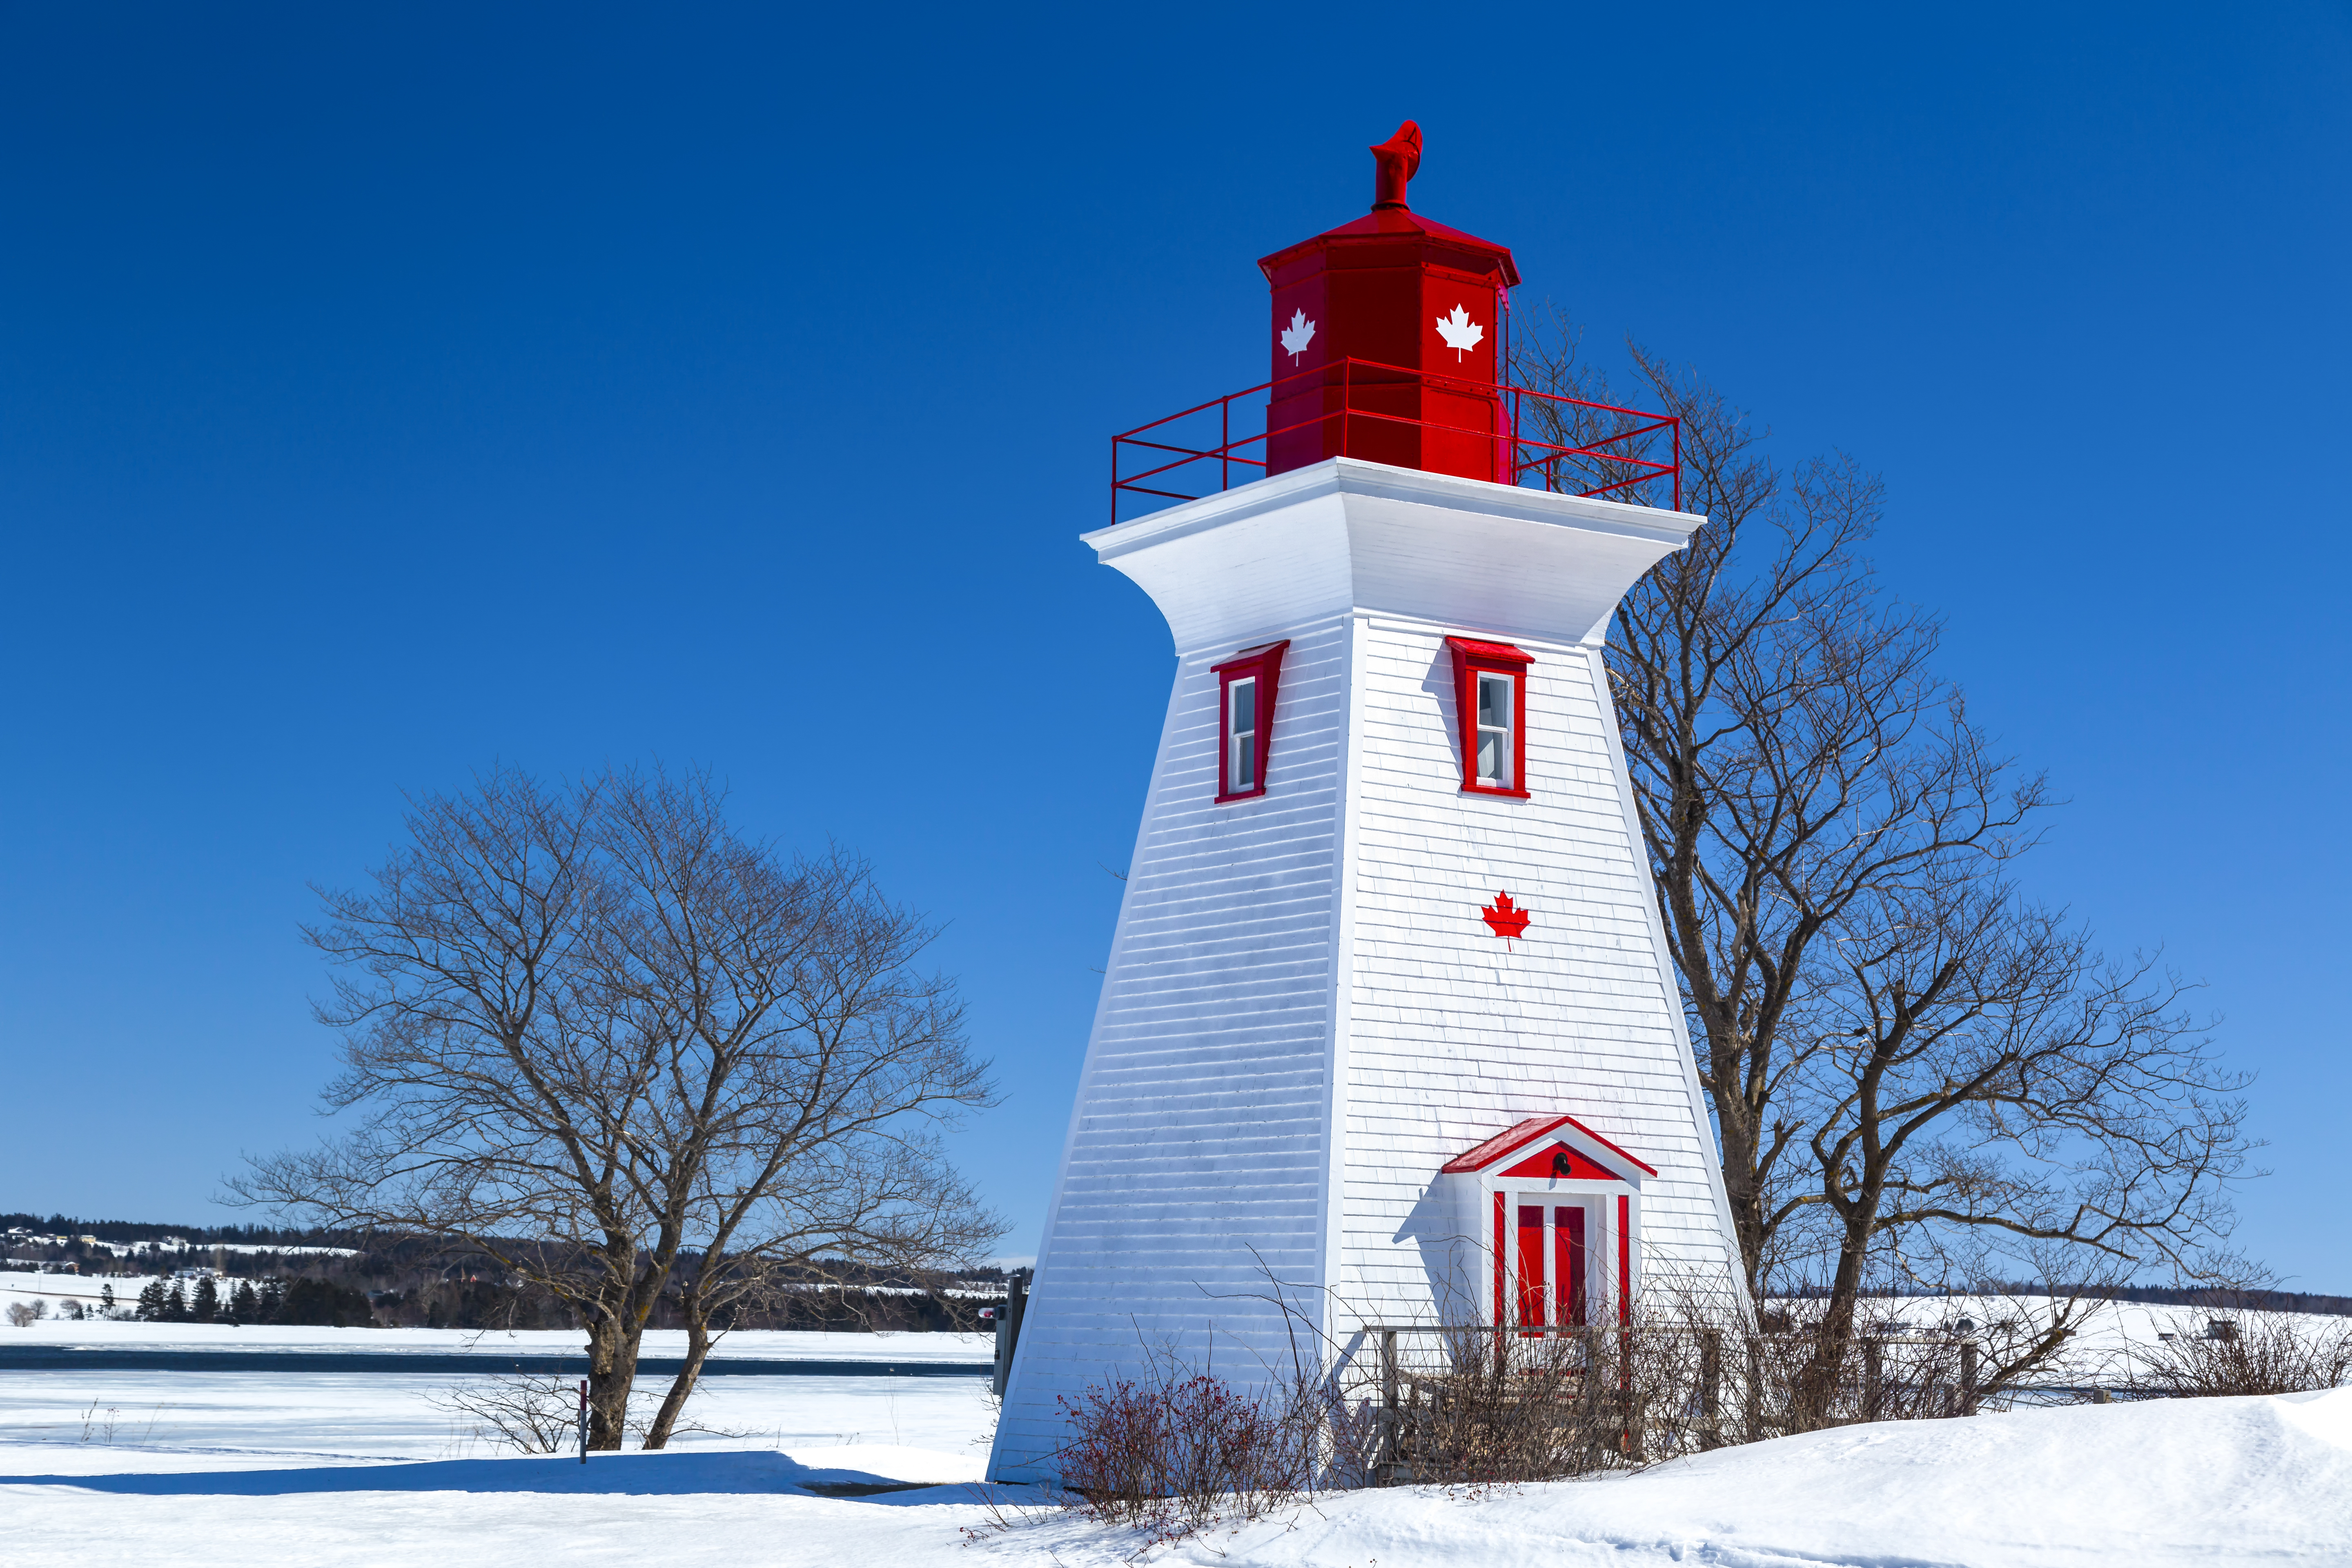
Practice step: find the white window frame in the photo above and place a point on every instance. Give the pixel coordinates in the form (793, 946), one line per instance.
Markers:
(1505, 734)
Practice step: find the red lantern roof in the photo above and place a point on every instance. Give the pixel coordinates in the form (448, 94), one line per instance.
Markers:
(1395, 161)
(1382, 231)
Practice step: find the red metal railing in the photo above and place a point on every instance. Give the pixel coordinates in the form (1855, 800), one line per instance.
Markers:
(1614, 447)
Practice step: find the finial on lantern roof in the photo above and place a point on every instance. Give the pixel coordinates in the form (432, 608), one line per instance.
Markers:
(1396, 160)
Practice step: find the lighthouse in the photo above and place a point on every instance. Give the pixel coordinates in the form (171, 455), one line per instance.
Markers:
(1388, 1033)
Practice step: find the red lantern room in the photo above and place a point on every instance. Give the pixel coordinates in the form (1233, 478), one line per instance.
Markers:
(1386, 347)
(1387, 337)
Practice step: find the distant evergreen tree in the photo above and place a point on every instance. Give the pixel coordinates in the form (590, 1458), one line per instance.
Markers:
(206, 1305)
(176, 1304)
(106, 1300)
(327, 1304)
(273, 1300)
(243, 1303)
(152, 1306)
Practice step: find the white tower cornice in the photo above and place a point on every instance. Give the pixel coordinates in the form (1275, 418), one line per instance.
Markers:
(1346, 535)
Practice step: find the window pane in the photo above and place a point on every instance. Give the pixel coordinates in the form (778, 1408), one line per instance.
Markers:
(1490, 757)
(1241, 735)
(1494, 701)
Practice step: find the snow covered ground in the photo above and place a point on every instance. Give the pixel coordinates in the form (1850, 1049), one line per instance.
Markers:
(100, 1467)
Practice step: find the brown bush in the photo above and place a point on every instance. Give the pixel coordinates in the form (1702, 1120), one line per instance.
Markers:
(1174, 1454)
(2211, 1355)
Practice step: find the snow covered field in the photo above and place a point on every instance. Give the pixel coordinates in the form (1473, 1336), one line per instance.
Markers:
(374, 1415)
(362, 1469)
(743, 1345)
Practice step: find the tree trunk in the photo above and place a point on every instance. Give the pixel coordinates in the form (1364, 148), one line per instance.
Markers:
(1742, 1184)
(1817, 1385)
(613, 1345)
(681, 1388)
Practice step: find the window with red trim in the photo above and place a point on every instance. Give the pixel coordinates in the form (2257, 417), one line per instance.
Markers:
(1490, 701)
(1245, 692)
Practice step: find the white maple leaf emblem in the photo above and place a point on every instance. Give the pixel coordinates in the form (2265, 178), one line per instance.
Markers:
(1460, 331)
(1298, 335)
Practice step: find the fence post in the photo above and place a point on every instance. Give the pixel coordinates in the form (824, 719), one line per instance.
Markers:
(1968, 1377)
(1632, 1414)
(1873, 1377)
(1390, 1417)
(1710, 1389)
(1755, 1388)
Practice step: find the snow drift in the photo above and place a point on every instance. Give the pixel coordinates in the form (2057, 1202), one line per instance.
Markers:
(2183, 1481)
(2154, 1485)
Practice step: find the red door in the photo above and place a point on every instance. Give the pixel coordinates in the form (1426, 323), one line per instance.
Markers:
(1568, 1262)
(1531, 1263)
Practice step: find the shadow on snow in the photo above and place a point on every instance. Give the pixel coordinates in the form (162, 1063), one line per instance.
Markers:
(654, 1475)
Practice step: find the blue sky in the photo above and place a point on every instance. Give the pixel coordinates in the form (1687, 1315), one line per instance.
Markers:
(386, 395)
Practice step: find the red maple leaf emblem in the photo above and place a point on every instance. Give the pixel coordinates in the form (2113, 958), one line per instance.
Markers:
(1504, 918)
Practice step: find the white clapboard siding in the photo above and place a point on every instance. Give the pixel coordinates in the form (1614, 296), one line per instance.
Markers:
(1203, 1110)
(1303, 1017)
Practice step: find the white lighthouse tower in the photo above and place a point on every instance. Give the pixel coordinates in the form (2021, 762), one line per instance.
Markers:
(1388, 1026)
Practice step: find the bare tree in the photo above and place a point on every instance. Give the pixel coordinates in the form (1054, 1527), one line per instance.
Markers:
(820, 1062)
(569, 1014)
(1811, 792)
(1988, 1085)
(1789, 749)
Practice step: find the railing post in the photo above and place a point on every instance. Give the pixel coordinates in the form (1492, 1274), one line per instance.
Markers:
(1629, 1412)
(1968, 1377)
(1678, 463)
(1710, 1389)
(1384, 1472)
(1225, 444)
(1873, 1377)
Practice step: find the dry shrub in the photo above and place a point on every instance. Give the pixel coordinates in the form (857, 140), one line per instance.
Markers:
(1687, 1372)
(1176, 1452)
(532, 1414)
(2245, 1352)
(539, 1414)
(1809, 1381)
(1477, 1405)
(1503, 1407)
